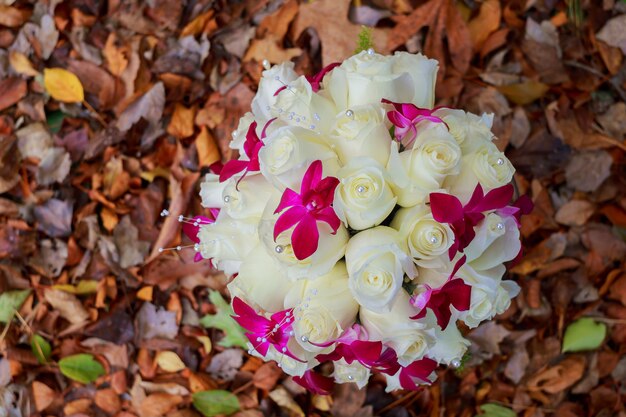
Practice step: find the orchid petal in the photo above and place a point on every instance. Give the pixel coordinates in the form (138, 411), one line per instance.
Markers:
(446, 208)
(305, 237)
(329, 216)
(289, 198)
(288, 219)
(231, 168)
(316, 383)
(312, 176)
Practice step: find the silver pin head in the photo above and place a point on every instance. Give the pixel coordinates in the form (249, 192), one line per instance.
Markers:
(370, 51)
(304, 339)
(266, 64)
(226, 198)
(349, 113)
(279, 249)
(360, 189)
(500, 161)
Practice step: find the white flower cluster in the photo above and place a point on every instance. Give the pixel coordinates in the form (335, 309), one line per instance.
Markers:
(384, 267)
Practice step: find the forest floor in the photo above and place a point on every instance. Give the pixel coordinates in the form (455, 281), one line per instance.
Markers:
(94, 321)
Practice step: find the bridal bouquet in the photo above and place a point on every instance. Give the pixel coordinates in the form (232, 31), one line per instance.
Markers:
(360, 224)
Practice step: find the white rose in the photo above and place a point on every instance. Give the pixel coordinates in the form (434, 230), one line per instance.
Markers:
(261, 282)
(369, 77)
(481, 307)
(331, 247)
(323, 308)
(469, 130)
(211, 191)
(487, 166)
(239, 134)
(363, 197)
(506, 292)
(427, 239)
(263, 104)
(351, 372)
(377, 261)
(248, 197)
(289, 365)
(449, 344)
(410, 339)
(289, 151)
(298, 105)
(228, 241)
(497, 241)
(418, 171)
(362, 131)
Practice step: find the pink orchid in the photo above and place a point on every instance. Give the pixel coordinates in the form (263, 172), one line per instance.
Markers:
(263, 332)
(419, 370)
(405, 118)
(251, 148)
(446, 208)
(312, 204)
(316, 383)
(192, 227)
(455, 292)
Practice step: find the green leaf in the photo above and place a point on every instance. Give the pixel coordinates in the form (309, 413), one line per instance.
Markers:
(10, 302)
(583, 334)
(41, 348)
(55, 120)
(81, 367)
(212, 403)
(234, 334)
(495, 410)
(365, 40)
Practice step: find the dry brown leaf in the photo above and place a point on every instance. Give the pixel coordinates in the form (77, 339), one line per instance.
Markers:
(277, 23)
(181, 123)
(524, 93)
(326, 16)
(559, 377)
(487, 22)
(80, 406)
(281, 397)
(68, 305)
(575, 213)
(208, 152)
(108, 400)
(266, 376)
(11, 16)
(159, 404)
(268, 48)
(198, 24)
(12, 90)
(169, 361)
(614, 32)
(43, 395)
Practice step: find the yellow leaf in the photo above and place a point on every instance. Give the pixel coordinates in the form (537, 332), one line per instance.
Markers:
(115, 56)
(21, 64)
(156, 172)
(83, 287)
(524, 93)
(197, 25)
(109, 218)
(487, 21)
(145, 293)
(208, 153)
(169, 362)
(62, 85)
(206, 343)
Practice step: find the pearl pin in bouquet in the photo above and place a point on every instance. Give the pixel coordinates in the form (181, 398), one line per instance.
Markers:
(360, 224)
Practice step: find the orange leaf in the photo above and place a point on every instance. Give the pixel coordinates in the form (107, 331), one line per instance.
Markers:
(116, 57)
(524, 93)
(208, 153)
(487, 21)
(181, 124)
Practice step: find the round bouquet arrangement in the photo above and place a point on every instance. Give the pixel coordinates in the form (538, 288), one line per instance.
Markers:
(360, 224)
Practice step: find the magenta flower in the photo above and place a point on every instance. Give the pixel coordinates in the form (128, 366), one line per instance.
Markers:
(316, 79)
(405, 118)
(455, 292)
(304, 210)
(316, 383)
(417, 371)
(192, 227)
(251, 147)
(263, 332)
(447, 208)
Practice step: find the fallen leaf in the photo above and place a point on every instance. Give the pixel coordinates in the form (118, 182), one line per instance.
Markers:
(267, 376)
(62, 85)
(559, 377)
(34, 140)
(12, 90)
(108, 400)
(54, 167)
(614, 32)
(268, 48)
(575, 213)
(181, 123)
(54, 217)
(169, 361)
(586, 171)
(524, 93)
(21, 64)
(11, 16)
(487, 21)
(40, 348)
(10, 302)
(223, 320)
(132, 250)
(116, 56)
(149, 107)
(495, 410)
(159, 404)
(583, 334)
(68, 305)
(153, 323)
(328, 15)
(43, 395)
(81, 367)
(216, 402)
(281, 397)
(208, 152)
(226, 364)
